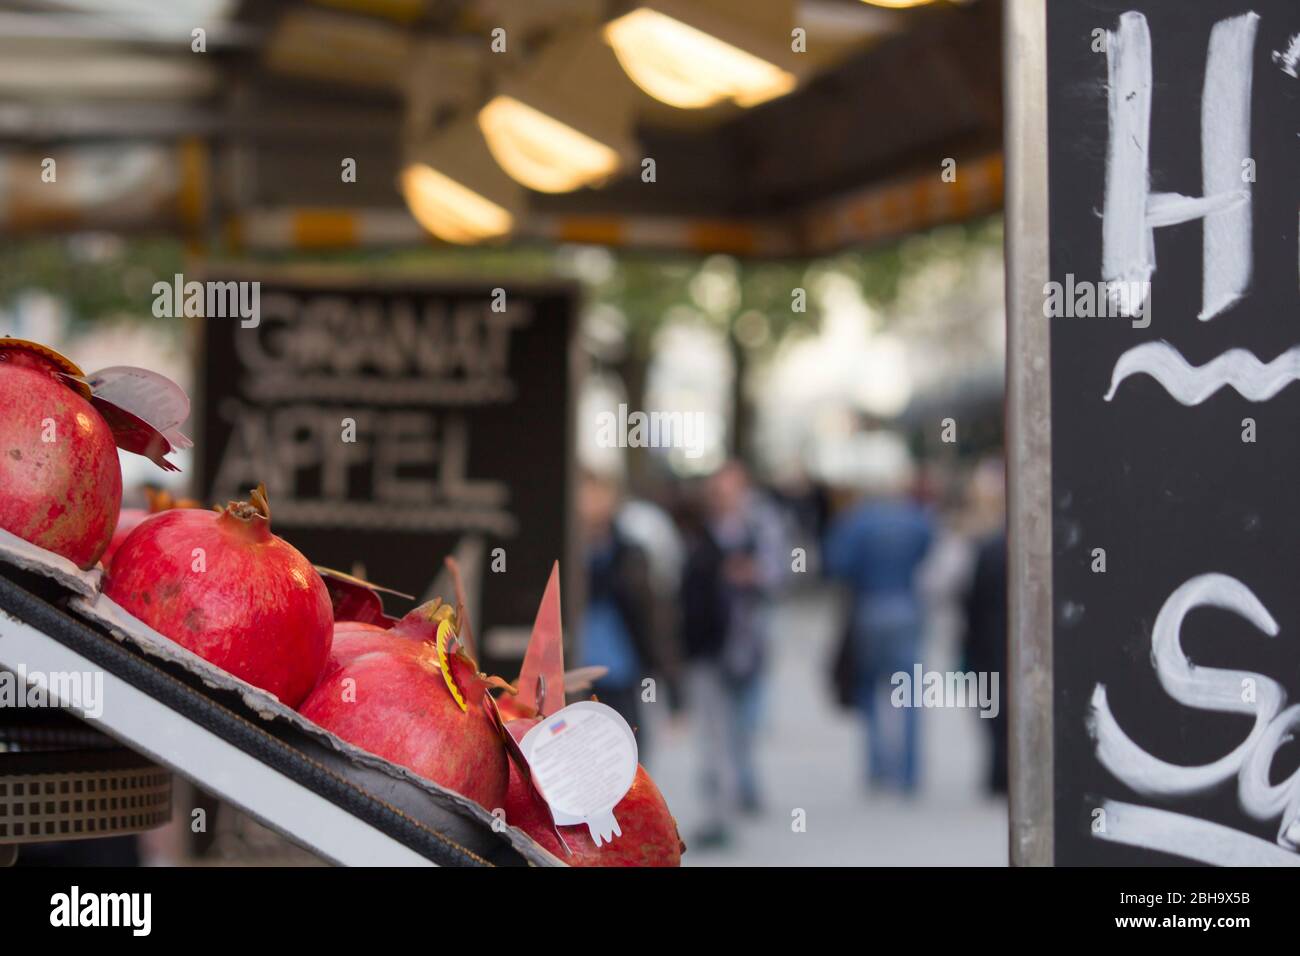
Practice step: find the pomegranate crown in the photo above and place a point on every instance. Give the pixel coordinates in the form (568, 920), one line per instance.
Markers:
(251, 518)
(258, 506)
(30, 354)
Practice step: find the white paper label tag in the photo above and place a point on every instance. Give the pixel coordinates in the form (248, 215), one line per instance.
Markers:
(151, 397)
(583, 760)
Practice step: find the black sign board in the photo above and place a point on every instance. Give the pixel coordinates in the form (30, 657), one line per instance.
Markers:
(396, 423)
(1173, 170)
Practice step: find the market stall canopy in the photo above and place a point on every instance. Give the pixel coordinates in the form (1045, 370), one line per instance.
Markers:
(714, 125)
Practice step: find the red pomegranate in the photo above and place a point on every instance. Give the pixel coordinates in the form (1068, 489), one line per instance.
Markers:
(60, 481)
(354, 638)
(131, 518)
(386, 691)
(649, 832)
(222, 585)
(356, 600)
(510, 709)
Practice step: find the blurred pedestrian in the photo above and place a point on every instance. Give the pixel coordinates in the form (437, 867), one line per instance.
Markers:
(986, 608)
(875, 547)
(618, 631)
(736, 559)
(651, 528)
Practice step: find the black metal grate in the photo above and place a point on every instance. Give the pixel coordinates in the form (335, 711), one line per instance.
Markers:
(38, 807)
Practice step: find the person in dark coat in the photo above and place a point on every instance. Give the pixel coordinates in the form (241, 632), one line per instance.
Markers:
(986, 641)
(735, 566)
(618, 630)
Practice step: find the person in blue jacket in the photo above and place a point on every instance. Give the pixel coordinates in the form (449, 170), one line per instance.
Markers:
(875, 548)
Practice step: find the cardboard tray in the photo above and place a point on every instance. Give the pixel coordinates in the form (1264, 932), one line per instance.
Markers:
(48, 611)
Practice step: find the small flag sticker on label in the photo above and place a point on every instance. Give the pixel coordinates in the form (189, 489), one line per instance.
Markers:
(582, 760)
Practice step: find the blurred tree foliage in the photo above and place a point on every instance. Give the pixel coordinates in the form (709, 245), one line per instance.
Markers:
(758, 304)
(647, 288)
(769, 301)
(97, 275)
(100, 275)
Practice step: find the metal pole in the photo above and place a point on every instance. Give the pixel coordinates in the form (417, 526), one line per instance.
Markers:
(1029, 431)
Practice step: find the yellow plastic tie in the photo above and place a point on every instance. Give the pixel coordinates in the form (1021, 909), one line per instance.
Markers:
(445, 630)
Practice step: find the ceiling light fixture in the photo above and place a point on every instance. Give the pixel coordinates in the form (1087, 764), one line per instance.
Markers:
(565, 121)
(697, 54)
(898, 4)
(456, 192)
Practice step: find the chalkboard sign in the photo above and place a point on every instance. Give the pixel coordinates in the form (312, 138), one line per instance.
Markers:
(1173, 303)
(395, 423)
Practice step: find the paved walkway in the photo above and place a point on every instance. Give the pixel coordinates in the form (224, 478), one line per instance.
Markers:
(811, 758)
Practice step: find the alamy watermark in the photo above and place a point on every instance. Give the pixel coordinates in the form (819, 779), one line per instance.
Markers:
(133, 911)
(624, 429)
(214, 300)
(83, 691)
(922, 688)
(1098, 300)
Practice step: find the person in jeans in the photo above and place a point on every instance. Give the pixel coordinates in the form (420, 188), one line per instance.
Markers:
(875, 547)
(736, 559)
